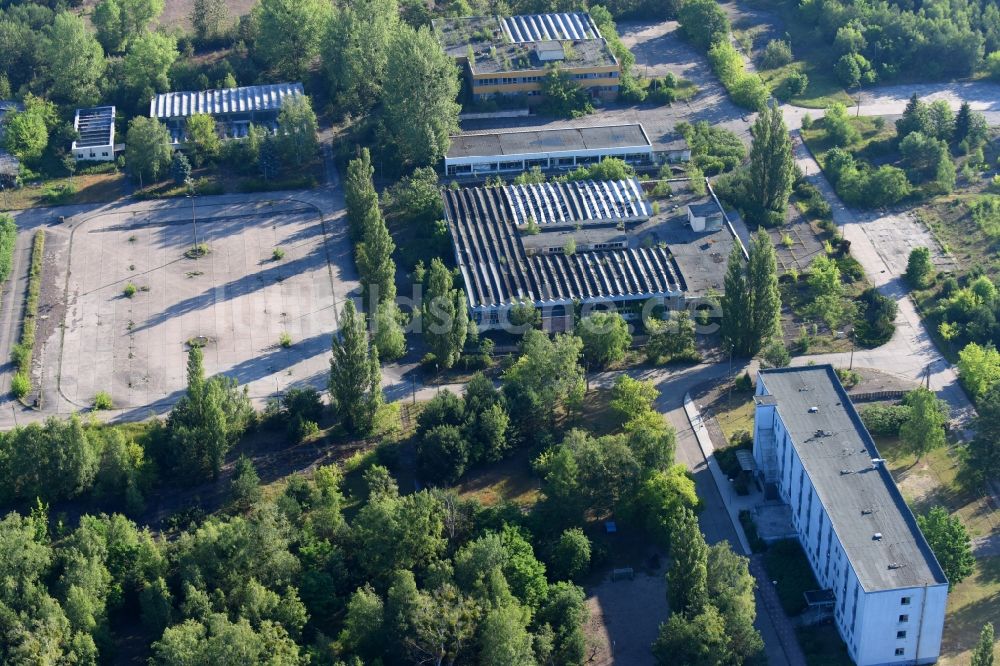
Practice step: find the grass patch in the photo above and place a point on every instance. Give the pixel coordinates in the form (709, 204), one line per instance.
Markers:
(8, 239)
(736, 415)
(974, 602)
(85, 188)
(510, 480)
(871, 144)
(786, 563)
(23, 351)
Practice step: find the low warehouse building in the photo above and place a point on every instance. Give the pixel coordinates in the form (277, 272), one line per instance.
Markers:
(564, 148)
(96, 130)
(811, 449)
(234, 109)
(554, 245)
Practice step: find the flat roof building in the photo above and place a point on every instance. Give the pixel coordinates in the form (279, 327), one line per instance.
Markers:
(234, 109)
(512, 245)
(96, 131)
(509, 56)
(561, 148)
(862, 542)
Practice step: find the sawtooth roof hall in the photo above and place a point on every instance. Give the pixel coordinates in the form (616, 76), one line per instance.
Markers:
(486, 225)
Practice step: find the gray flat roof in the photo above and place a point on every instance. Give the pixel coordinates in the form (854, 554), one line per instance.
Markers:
(566, 139)
(860, 497)
(246, 99)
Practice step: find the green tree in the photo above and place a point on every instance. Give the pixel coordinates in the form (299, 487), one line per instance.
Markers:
(355, 374)
(290, 33)
(442, 454)
(147, 149)
(444, 624)
(827, 291)
(203, 138)
(25, 136)
(388, 336)
(562, 95)
(731, 589)
(915, 118)
(978, 368)
(923, 431)
(374, 258)
(356, 51)
(839, 129)
(180, 168)
(983, 458)
(210, 19)
(120, 21)
(765, 299)
(362, 632)
(244, 486)
(950, 542)
(703, 22)
(398, 532)
(673, 338)
(546, 376)
(605, 337)
(297, 130)
(919, 267)
(421, 85)
(505, 637)
(359, 192)
(736, 303)
(445, 319)
(571, 554)
(771, 168)
(147, 64)
(698, 639)
(982, 654)
(853, 70)
(73, 59)
(631, 398)
(687, 578)
(221, 641)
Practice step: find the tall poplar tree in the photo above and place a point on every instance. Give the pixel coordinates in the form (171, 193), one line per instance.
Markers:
(355, 374)
(687, 578)
(765, 299)
(445, 317)
(771, 167)
(359, 192)
(735, 302)
(374, 258)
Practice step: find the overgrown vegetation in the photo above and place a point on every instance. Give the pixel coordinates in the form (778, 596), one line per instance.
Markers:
(24, 349)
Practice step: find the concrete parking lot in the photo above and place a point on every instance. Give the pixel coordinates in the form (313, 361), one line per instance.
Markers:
(237, 300)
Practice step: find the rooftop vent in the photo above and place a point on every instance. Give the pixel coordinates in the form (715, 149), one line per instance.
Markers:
(877, 536)
(813, 409)
(867, 512)
(876, 462)
(896, 565)
(845, 471)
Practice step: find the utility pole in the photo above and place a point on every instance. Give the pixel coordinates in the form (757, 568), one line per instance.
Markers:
(194, 221)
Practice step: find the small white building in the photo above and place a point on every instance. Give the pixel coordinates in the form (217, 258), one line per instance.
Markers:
(863, 544)
(96, 130)
(706, 216)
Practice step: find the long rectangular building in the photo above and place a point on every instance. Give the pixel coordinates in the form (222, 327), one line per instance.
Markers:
(863, 543)
(562, 148)
(574, 250)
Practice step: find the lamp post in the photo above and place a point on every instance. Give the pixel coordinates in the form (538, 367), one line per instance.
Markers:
(194, 221)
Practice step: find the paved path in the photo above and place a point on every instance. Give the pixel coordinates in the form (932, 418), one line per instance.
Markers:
(911, 352)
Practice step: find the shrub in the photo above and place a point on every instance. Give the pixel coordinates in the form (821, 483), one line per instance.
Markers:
(102, 401)
(776, 54)
(20, 384)
(130, 290)
(8, 238)
(278, 254)
(285, 339)
(885, 419)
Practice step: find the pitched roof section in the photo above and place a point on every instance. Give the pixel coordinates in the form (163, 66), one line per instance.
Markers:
(497, 271)
(218, 102)
(577, 202)
(541, 27)
(860, 496)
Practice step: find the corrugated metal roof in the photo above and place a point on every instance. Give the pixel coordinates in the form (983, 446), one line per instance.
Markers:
(220, 102)
(95, 126)
(497, 270)
(541, 27)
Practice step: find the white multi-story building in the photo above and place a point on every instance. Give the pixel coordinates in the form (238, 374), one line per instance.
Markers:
(812, 450)
(95, 130)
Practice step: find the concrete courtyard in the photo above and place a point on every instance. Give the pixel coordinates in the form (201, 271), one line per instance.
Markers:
(237, 300)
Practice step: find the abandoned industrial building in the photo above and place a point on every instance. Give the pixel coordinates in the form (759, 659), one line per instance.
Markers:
(234, 109)
(562, 148)
(95, 129)
(509, 56)
(554, 245)
(811, 449)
